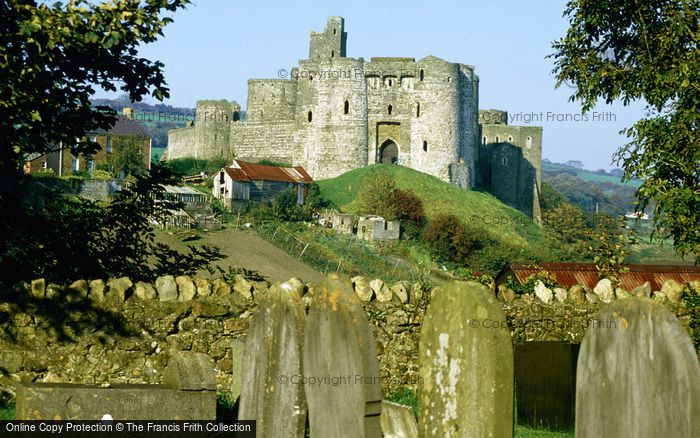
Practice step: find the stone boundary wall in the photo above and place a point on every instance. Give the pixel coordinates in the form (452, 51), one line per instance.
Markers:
(117, 331)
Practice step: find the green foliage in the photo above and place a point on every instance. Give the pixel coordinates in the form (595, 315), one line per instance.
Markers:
(195, 166)
(314, 200)
(126, 157)
(495, 221)
(650, 52)
(286, 209)
(53, 57)
(267, 162)
(407, 207)
(7, 413)
(374, 195)
(407, 397)
(545, 277)
(570, 235)
(101, 175)
(448, 239)
(691, 301)
(62, 238)
(611, 247)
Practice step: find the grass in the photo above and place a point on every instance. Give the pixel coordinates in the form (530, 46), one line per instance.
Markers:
(479, 209)
(7, 412)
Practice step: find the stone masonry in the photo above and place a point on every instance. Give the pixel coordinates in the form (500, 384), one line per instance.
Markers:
(335, 113)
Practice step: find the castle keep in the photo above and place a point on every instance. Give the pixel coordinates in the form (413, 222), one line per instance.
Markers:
(334, 114)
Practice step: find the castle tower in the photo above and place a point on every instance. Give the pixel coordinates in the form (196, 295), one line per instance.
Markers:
(331, 106)
(331, 42)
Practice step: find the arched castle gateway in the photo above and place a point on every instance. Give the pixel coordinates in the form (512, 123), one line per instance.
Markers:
(334, 114)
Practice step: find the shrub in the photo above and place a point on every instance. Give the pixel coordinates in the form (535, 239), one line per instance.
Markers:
(101, 175)
(528, 287)
(374, 195)
(407, 207)
(285, 207)
(314, 200)
(448, 239)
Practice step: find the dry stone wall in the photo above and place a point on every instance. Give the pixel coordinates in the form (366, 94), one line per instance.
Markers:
(118, 331)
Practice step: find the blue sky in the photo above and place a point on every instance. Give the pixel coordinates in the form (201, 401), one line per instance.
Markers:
(215, 46)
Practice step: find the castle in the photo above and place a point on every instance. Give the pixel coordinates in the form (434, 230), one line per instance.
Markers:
(334, 114)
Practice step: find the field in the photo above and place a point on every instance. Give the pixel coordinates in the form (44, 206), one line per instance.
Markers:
(588, 175)
(245, 249)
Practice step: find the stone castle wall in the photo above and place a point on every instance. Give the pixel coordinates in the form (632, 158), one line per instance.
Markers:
(335, 114)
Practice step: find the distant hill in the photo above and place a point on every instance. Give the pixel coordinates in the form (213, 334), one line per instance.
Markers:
(600, 191)
(503, 224)
(157, 119)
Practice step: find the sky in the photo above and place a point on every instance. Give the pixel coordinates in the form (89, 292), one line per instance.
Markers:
(214, 47)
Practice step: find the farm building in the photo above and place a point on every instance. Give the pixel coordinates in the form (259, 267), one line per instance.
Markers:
(586, 274)
(243, 182)
(376, 228)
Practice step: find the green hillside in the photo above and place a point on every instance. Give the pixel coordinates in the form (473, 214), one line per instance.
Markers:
(587, 175)
(479, 209)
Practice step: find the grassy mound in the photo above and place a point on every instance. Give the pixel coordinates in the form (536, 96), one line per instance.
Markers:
(505, 226)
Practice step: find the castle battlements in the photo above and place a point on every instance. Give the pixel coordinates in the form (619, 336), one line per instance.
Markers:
(334, 114)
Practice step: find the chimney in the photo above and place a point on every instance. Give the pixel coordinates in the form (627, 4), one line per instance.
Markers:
(128, 112)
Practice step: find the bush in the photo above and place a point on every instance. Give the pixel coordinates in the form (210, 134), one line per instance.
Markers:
(374, 195)
(286, 209)
(314, 201)
(407, 207)
(448, 239)
(101, 175)
(195, 166)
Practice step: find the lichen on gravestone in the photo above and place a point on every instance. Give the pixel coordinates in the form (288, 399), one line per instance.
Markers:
(637, 375)
(339, 343)
(271, 362)
(466, 365)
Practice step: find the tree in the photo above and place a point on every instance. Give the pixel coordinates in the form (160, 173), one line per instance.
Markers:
(407, 208)
(611, 245)
(53, 56)
(375, 193)
(649, 51)
(127, 155)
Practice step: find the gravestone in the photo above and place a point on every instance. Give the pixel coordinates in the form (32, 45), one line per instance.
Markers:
(340, 349)
(638, 374)
(271, 362)
(466, 365)
(398, 421)
(545, 384)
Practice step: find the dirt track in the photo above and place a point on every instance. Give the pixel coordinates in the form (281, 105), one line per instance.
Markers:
(247, 250)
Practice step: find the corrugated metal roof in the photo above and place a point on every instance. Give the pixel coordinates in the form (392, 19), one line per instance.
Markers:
(569, 274)
(182, 190)
(245, 171)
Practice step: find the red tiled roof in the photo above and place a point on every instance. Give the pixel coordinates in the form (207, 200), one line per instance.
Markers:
(245, 171)
(568, 274)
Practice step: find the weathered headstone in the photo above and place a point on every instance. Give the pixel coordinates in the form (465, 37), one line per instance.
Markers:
(339, 346)
(638, 374)
(237, 350)
(272, 362)
(466, 365)
(189, 371)
(398, 421)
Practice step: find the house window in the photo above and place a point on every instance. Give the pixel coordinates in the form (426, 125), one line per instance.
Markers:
(74, 164)
(346, 107)
(108, 148)
(92, 139)
(418, 109)
(389, 109)
(425, 146)
(528, 142)
(221, 178)
(90, 165)
(421, 74)
(310, 116)
(44, 165)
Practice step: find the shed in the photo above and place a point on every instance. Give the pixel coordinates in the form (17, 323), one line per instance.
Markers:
(243, 182)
